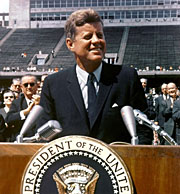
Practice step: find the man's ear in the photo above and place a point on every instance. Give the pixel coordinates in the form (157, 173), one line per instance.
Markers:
(70, 44)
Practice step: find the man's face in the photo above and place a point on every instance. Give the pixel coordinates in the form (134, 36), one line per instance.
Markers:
(89, 45)
(29, 86)
(16, 86)
(164, 90)
(172, 90)
(144, 84)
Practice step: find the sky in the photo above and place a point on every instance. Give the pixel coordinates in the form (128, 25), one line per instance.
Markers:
(4, 6)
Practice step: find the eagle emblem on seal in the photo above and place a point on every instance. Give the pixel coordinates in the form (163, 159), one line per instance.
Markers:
(76, 178)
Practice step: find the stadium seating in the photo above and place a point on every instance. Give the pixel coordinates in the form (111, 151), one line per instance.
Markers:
(153, 46)
(147, 47)
(23, 44)
(113, 37)
(3, 32)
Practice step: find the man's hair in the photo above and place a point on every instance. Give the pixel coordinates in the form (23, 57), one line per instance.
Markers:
(79, 18)
(29, 75)
(15, 79)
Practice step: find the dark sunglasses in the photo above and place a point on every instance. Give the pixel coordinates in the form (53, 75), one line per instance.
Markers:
(16, 86)
(6, 97)
(26, 84)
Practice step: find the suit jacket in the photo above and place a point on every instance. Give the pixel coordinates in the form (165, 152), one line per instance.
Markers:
(158, 109)
(2, 128)
(3, 112)
(13, 118)
(176, 118)
(167, 113)
(62, 100)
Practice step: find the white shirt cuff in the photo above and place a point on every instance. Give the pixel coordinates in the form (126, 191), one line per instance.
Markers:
(22, 115)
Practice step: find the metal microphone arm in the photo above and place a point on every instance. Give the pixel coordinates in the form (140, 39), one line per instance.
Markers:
(46, 132)
(142, 119)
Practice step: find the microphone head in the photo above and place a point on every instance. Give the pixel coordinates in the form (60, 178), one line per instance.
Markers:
(142, 118)
(33, 116)
(49, 130)
(129, 120)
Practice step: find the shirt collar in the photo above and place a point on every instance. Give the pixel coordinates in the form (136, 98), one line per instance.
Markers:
(83, 75)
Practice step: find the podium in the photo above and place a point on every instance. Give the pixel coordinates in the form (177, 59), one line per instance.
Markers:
(153, 169)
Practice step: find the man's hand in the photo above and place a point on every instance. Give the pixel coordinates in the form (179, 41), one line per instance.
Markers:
(28, 109)
(36, 99)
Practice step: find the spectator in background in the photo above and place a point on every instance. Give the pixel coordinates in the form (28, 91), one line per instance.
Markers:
(53, 53)
(176, 118)
(16, 86)
(8, 97)
(144, 85)
(21, 107)
(159, 119)
(150, 111)
(167, 108)
(41, 82)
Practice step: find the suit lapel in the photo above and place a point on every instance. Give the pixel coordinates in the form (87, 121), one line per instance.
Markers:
(75, 92)
(23, 103)
(105, 85)
(101, 99)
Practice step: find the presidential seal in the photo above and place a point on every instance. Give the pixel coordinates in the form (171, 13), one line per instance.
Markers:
(76, 165)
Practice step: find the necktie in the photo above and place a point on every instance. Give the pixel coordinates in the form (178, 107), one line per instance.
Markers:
(91, 95)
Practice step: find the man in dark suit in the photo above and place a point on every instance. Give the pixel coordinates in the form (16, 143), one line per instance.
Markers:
(158, 106)
(169, 124)
(159, 119)
(21, 107)
(65, 95)
(176, 118)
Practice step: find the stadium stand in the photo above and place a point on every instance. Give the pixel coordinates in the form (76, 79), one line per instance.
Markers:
(18, 50)
(3, 32)
(64, 58)
(153, 47)
(147, 48)
(113, 37)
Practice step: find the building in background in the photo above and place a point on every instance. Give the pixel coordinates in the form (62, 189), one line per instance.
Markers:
(4, 19)
(53, 13)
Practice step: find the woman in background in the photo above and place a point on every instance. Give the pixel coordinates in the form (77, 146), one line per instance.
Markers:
(8, 97)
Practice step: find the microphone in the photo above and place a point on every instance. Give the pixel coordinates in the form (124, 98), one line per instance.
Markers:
(46, 132)
(130, 123)
(33, 116)
(143, 119)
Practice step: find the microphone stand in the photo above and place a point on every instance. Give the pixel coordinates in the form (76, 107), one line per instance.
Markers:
(158, 129)
(134, 140)
(21, 139)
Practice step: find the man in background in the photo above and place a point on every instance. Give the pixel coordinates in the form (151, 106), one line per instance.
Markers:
(16, 86)
(168, 104)
(144, 85)
(160, 119)
(21, 107)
